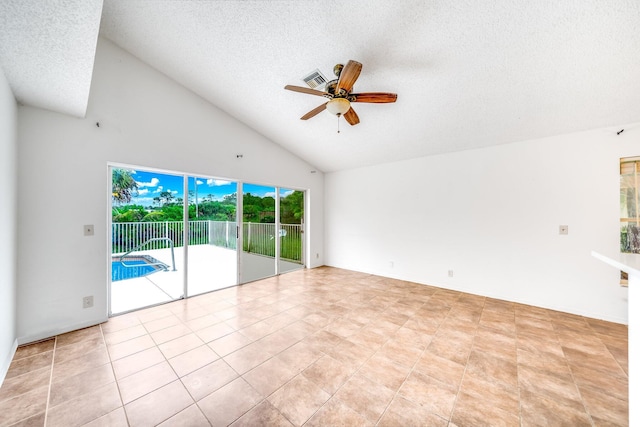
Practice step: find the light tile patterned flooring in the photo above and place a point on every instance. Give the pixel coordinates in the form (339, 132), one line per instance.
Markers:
(326, 347)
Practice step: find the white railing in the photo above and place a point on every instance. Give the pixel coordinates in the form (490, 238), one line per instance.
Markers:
(291, 239)
(126, 236)
(258, 238)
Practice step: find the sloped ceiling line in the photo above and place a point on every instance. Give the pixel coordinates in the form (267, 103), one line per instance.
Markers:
(467, 74)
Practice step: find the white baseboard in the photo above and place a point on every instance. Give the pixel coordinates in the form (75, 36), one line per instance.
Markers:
(58, 331)
(4, 368)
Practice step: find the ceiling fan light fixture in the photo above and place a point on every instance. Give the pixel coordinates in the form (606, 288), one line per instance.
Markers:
(338, 92)
(338, 106)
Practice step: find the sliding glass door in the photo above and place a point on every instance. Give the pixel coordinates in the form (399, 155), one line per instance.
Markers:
(259, 237)
(147, 263)
(176, 235)
(212, 235)
(291, 230)
(272, 231)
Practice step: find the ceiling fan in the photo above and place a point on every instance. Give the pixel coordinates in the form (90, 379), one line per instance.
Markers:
(339, 93)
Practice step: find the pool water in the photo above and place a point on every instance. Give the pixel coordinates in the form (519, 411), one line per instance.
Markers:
(137, 268)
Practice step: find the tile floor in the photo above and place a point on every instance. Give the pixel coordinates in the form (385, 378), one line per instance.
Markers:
(326, 347)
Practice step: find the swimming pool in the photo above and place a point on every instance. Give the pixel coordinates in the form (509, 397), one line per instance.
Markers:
(136, 266)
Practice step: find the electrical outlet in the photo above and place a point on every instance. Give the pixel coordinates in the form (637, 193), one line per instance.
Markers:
(88, 230)
(450, 273)
(87, 302)
(564, 229)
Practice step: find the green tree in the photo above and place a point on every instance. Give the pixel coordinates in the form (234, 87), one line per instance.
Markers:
(230, 199)
(123, 186)
(173, 212)
(292, 208)
(155, 216)
(129, 213)
(268, 204)
(217, 211)
(163, 199)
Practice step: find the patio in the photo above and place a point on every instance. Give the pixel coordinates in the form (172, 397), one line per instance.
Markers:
(210, 268)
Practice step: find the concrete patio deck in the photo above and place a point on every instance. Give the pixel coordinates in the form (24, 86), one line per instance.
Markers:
(210, 268)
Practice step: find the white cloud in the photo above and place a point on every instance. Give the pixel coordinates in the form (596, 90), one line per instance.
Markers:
(159, 189)
(153, 183)
(199, 182)
(143, 192)
(217, 182)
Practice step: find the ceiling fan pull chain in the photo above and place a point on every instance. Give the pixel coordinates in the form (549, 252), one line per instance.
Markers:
(338, 115)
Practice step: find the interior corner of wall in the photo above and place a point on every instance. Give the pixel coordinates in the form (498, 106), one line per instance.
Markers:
(4, 368)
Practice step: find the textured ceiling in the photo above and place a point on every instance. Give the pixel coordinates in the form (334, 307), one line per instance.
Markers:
(47, 49)
(468, 74)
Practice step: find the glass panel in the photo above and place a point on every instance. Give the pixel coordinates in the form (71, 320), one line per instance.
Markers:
(146, 239)
(212, 235)
(259, 244)
(148, 232)
(629, 205)
(291, 230)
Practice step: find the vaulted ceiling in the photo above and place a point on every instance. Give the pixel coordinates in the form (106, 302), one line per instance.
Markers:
(468, 74)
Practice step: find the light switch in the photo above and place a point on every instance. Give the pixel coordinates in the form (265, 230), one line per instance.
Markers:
(564, 229)
(88, 230)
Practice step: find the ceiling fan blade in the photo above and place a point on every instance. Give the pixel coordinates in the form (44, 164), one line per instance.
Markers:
(305, 90)
(375, 97)
(349, 75)
(315, 111)
(351, 117)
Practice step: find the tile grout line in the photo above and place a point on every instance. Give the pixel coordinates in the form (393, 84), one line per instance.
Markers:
(53, 359)
(239, 375)
(266, 398)
(114, 375)
(357, 371)
(598, 334)
(519, 328)
(178, 377)
(515, 326)
(397, 393)
(466, 365)
(166, 359)
(566, 361)
(411, 370)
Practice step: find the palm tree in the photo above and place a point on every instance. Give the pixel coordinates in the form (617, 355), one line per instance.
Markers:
(123, 186)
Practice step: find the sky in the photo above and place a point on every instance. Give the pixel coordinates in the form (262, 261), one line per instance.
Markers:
(151, 184)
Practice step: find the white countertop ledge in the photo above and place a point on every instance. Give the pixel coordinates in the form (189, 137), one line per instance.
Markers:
(629, 263)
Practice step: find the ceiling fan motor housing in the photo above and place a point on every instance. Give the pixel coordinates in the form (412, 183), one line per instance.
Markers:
(331, 86)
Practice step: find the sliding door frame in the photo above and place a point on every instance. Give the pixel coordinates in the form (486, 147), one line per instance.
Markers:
(186, 228)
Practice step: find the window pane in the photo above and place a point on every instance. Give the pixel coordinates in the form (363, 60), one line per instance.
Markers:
(629, 204)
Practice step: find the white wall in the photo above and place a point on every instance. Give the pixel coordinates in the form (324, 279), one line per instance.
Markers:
(491, 216)
(145, 119)
(8, 219)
